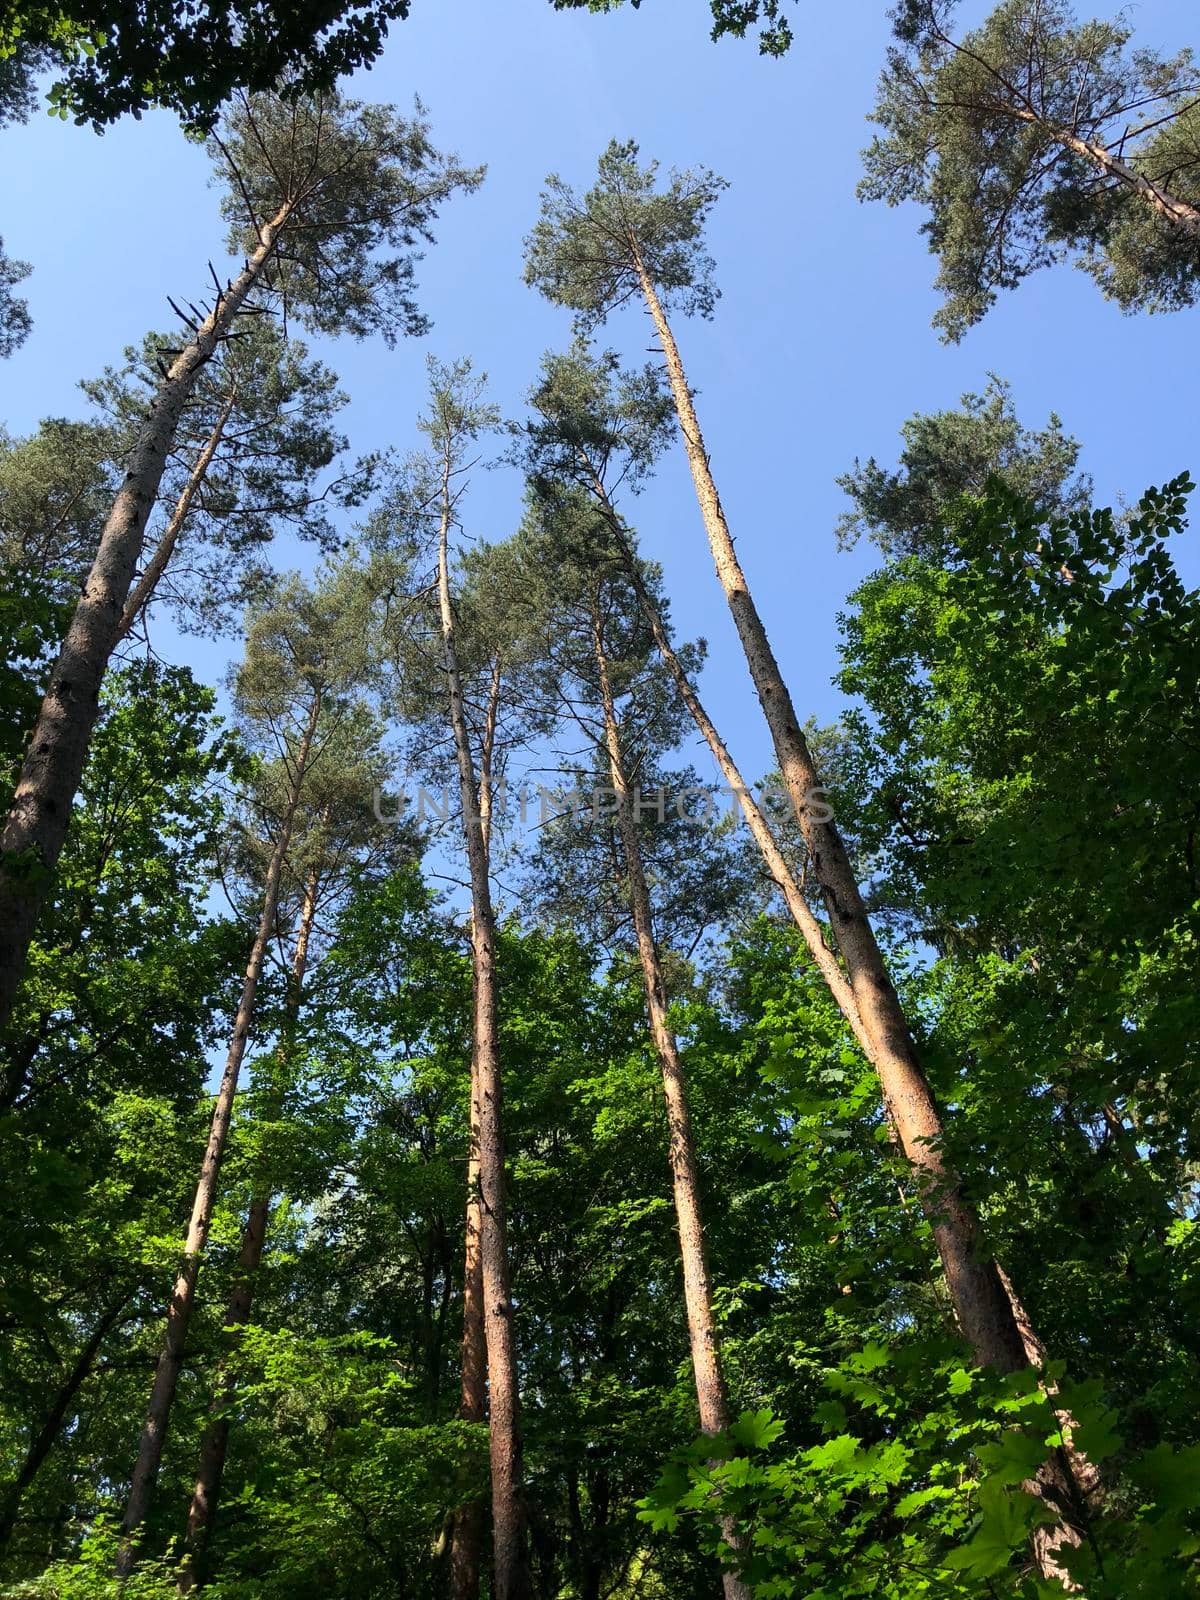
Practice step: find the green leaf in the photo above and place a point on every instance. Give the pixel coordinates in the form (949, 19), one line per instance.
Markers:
(755, 1430)
(1171, 1477)
(1015, 1457)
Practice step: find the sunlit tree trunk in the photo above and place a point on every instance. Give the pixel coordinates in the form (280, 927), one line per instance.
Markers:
(214, 1446)
(466, 1541)
(510, 1576)
(179, 1311)
(37, 822)
(983, 1310)
(982, 1307)
(760, 829)
(697, 1286)
(793, 896)
(1085, 1474)
(1179, 213)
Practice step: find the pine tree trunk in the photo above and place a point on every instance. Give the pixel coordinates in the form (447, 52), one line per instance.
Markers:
(982, 1308)
(1179, 213)
(980, 1303)
(214, 1445)
(466, 1539)
(143, 590)
(47, 1435)
(685, 1180)
(760, 829)
(1080, 1472)
(40, 814)
(466, 1542)
(179, 1311)
(1175, 211)
(510, 1574)
(467, 1526)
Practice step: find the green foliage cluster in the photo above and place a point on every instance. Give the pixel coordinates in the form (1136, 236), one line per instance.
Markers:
(1034, 137)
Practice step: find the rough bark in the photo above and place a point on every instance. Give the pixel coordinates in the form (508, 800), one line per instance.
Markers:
(982, 1308)
(179, 1311)
(1068, 1472)
(40, 814)
(143, 590)
(1080, 1472)
(760, 829)
(214, 1445)
(703, 1338)
(510, 1571)
(466, 1539)
(1177, 212)
(44, 1440)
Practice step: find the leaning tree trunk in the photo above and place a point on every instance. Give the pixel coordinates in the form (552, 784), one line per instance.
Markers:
(760, 829)
(510, 1575)
(1179, 213)
(143, 590)
(48, 1434)
(983, 1309)
(685, 1180)
(1085, 1473)
(214, 1446)
(466, 1538)
(37, 822)
(179, 1311)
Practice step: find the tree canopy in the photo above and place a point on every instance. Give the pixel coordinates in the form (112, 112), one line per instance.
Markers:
(464, 1136)
(115, 59)
(1035, 138)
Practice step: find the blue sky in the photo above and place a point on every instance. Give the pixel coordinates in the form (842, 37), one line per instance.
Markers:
(821, 345)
